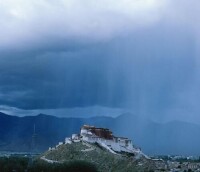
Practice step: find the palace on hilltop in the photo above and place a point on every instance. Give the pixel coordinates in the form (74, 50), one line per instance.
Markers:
(103, 137)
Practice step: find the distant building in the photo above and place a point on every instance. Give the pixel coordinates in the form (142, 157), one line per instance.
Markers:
(93, 134)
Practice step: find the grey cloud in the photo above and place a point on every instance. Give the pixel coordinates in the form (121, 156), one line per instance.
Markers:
(35, 22)
(114, 74)
(83, 112)
(152, 70)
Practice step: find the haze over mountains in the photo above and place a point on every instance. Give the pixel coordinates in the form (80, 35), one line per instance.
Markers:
(174, 137)
(105, 57)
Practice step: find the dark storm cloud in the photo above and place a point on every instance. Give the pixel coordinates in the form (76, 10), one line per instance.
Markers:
(145, 59)
(133, 72)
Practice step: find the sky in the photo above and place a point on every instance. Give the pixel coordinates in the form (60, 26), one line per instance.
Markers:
(88, 58)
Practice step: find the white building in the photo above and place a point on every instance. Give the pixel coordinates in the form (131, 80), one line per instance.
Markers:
(68, 140)
(103, 135)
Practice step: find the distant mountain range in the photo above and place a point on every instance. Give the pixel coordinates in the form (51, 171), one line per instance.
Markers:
(16, 133)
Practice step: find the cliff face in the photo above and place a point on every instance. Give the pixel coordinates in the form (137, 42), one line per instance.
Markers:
(100, 157)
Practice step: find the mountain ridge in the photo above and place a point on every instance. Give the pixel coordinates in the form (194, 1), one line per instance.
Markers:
(174, 137)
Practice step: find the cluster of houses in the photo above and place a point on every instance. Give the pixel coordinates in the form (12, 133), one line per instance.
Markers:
(103, 137)
(176, 166)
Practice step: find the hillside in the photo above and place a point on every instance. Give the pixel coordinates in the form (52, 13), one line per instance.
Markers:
(100, 157)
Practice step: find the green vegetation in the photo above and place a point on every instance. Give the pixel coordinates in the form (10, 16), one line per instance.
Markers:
(18, 164)
(21, 164)
(101, 158)
(76, 157)
(73, 166)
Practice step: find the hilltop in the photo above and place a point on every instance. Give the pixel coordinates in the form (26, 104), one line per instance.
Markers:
(100, 147)
(104, 160)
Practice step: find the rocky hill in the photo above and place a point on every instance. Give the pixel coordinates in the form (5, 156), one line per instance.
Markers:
(104, 160)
